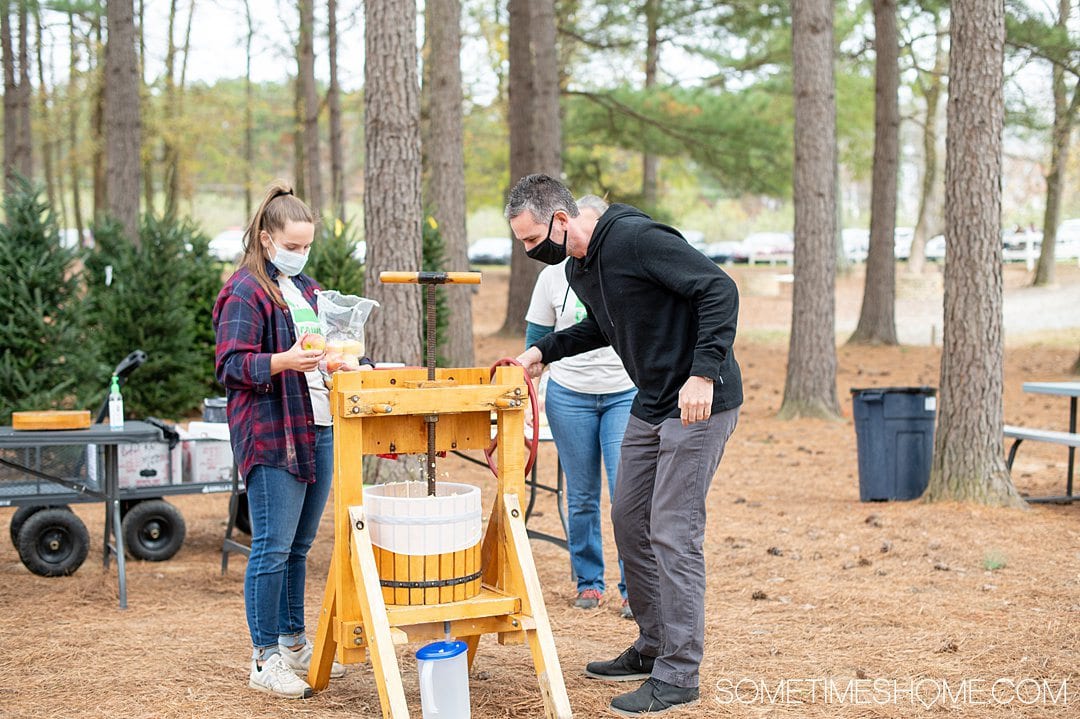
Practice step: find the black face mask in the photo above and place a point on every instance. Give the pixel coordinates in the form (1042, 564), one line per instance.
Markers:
(549, 252)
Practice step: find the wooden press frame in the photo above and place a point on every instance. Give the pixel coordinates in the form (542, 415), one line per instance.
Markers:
(385, 411)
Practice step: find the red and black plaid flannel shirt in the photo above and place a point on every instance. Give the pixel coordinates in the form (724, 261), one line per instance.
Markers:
(270, 417)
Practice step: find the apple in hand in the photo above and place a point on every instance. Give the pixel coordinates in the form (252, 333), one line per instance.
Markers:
(311, 341)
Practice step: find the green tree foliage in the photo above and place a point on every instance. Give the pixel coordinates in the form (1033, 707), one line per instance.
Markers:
(41, 326)
(204, 281)
(487, 158)
(159, 300)
(1033, 36)
(333, 262)
(434, 260)
(741, 139)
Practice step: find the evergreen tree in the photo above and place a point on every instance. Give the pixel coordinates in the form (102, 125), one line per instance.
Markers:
(156, 297)
(41, 328)
(333, 262)
(434, 249)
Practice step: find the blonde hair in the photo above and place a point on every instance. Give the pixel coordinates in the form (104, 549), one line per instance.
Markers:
(278, 208)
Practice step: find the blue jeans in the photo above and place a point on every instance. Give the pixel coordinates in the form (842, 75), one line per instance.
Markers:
(586, 427)
(285, 514)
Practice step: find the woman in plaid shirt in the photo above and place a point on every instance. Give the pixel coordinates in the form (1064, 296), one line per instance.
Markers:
(280, 425)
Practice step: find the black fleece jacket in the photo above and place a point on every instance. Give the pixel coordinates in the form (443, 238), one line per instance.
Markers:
(667, 310)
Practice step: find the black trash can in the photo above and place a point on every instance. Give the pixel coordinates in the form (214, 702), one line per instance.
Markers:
(894, 430)
(214, 409)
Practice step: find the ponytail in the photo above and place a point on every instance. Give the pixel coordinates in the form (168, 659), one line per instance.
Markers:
(279, 207)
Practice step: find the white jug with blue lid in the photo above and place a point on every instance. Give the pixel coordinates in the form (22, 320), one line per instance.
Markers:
(444, 680)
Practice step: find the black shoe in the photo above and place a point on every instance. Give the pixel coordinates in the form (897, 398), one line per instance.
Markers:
(626, 667)
(654, 697)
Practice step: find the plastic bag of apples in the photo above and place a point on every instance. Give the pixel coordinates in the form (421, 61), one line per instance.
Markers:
(342, 318)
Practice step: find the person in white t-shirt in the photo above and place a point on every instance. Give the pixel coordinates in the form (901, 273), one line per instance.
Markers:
(268, 350)
(587, 403)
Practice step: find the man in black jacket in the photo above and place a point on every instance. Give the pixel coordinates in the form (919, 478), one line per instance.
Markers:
(670, 314)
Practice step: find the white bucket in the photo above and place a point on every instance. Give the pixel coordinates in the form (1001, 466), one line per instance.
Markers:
(403, 519)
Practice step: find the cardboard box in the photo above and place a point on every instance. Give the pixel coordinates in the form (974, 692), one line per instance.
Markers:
(148, 464)
(207, 454)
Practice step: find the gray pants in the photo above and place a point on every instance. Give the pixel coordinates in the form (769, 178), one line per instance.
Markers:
(659, 518)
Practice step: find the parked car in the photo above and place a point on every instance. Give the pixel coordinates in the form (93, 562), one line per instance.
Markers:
(721, 252)
(856, 243)
(1067, 242)
(227, 246)
(935, 248)
(490, 251)
(694, 238)
(1017, 245)
(69, 238)
(1014, 246)
(766, 247)
(902, 239)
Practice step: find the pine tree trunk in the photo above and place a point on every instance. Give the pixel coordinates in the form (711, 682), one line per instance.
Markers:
(928, 208)
(306, 57)
(122, 117)
(333, 106)
(535, 130)
(392, 211)
(547, 124)
(48, 141)
(11, 105)
(877, 319)
(24, 156)
(649, 161)
(249, 125)
(169, 151)
(1064, 113)
(444, 153)
(968, 462)
(810, 389)
(73, 128)
(97, 121)
(148, 159)
(178, 170)
(299, 156)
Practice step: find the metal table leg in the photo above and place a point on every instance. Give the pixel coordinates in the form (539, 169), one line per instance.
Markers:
(112, 519)
(229, 544)
(1072, 450)
(534, 484)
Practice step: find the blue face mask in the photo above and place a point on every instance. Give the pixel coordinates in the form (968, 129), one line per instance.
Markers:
(290, 263)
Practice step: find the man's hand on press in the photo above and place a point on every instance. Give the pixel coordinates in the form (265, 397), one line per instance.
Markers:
(695, 400)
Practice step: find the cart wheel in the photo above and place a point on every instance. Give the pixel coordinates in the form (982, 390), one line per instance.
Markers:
(153, 530)
(53, 542)
(23, 513)
(243, 517)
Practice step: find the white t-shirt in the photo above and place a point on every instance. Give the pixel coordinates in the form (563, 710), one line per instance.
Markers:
(598, 371)
(306, 321)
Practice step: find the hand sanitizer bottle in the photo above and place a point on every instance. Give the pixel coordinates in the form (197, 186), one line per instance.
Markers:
(116, 406)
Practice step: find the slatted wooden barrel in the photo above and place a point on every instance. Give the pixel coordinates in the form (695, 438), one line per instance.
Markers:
(427, 549)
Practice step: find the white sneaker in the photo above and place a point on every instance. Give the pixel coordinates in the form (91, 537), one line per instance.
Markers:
(277, 678)
(300, 661)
